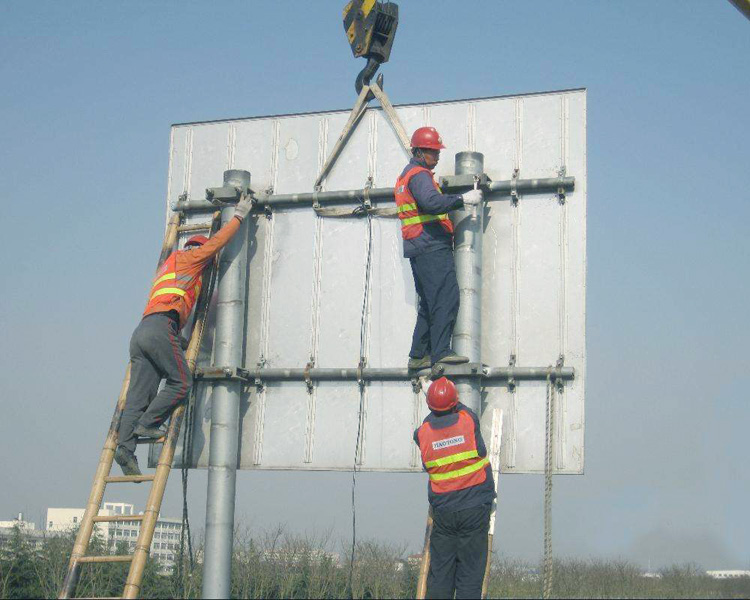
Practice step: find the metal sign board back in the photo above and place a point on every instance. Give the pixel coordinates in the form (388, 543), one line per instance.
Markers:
(307, 276)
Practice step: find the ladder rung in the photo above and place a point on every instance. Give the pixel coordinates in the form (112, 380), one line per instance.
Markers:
(117, 518)
(128, 478)
(151, 440)
(194, 227)
(105, 559)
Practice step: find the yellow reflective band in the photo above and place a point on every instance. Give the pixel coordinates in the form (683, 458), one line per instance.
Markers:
(453, 458)
(367, 7)
(423, 219)
(163, 291)
(405, 207)
(165, 278)
(460, 472)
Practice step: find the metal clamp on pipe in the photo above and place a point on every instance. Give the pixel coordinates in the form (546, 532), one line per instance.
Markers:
(308, 380)
(460, 183)
(514, 187)
(561, 185)
(221, 373)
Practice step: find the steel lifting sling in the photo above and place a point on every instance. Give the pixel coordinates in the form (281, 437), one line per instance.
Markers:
(159, 478)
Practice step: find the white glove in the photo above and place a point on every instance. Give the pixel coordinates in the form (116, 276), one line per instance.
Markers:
(243, 207)
(473, 198)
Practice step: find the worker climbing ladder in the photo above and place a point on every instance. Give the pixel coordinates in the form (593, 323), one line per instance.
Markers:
(158, 479)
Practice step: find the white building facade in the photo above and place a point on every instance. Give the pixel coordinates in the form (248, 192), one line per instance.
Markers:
(165, 546)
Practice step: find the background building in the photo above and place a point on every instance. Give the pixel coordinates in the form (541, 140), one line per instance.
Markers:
(165, 546)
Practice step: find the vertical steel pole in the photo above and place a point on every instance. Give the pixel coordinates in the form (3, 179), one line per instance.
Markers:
(468, 251)
(225, 408)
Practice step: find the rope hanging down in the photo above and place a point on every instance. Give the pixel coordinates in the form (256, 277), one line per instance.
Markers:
(548, 468)
(362, 363)
(187, 430)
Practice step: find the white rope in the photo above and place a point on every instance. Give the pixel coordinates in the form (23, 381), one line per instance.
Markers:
(548, 457)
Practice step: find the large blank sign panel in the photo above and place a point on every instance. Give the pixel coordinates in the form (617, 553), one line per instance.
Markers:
(307, 275)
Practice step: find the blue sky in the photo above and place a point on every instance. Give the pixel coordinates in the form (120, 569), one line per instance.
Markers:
(90, 89)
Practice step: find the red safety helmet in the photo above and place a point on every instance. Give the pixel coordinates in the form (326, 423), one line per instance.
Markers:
(427, 137)
(442, 395)
(196, 240)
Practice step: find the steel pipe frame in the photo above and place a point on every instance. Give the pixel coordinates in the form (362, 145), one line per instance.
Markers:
(552, 184)
(467, 333)
(262, 375)
(225, 408)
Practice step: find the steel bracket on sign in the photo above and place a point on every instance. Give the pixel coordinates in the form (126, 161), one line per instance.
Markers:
(464, 370)
(259, 385)
(360, 367)
(308, 380)
(514, 187)
(366, 202)
(416, 385)
(561, 188)
(558, 375)
(227, 195)
(456, 183)
(511, 379)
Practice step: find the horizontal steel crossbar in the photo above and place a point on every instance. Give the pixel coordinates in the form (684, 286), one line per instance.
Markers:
(262, 375)
(551, 185)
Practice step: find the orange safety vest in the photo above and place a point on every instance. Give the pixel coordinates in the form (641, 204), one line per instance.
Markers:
(450, 455)
(168, 287)
(408, 210)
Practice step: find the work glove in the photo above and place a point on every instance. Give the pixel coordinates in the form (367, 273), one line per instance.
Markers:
(473, 198)
(243, 207)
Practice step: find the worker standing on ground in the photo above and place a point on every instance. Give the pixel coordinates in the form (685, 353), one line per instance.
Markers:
(428, 244)
(461, 491)
(155, 348)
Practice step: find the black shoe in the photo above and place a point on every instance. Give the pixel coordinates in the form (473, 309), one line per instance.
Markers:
(153, 433)
(127, 461)
(453, 359)
(415, 364)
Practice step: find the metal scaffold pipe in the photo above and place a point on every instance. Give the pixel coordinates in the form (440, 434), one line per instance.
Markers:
(225, 407)
(467, 334)
(485, 373)
(552, 184)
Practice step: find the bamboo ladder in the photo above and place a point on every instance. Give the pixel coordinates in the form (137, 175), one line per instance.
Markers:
(159, 478)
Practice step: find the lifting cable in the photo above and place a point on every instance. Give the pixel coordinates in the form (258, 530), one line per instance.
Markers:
(362, 362)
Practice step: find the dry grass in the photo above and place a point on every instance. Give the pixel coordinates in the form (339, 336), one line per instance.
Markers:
(276, 564)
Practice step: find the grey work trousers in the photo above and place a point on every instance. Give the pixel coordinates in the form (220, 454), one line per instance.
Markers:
(458, 552)
(155, 354)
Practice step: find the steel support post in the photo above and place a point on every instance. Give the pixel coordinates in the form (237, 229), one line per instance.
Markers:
(468, 253)
(225, 408)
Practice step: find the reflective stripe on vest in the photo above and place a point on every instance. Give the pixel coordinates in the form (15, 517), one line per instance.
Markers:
(162, 291)
(453, 458)
(450, 455)
(423, 219)
(168, 287)
(459, 472)
(408, 210)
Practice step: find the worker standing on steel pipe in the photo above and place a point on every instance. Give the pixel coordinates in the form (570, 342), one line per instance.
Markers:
(428, 244)
(156, 350)
(461, 491)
